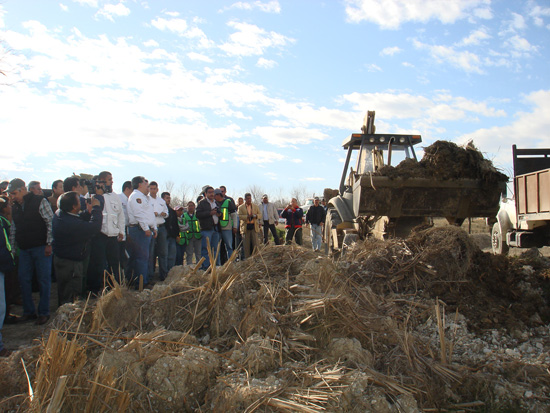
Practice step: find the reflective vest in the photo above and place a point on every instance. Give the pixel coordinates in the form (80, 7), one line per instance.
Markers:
(8, 245)
(194, 229)
(224, 219)
(182, 235)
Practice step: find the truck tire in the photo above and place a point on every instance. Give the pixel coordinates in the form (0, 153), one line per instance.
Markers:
(497, 240)
(332, 221)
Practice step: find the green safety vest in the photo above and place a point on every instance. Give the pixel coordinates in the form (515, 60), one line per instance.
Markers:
(194, 229)
(182, 235)
(224, 219)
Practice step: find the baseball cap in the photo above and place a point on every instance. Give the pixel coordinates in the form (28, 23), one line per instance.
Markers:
(15, 184)
(218, 191)
(264, 196)
(178, 208)
(316, 198)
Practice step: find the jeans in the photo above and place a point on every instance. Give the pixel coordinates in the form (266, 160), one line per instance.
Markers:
(214, 237)
(138, 247)
(180, 251)
(267, 228)
(29, 259)
(171, 253)
(295, 233)
(227, 237)
(316, 236)
(193, 248)
(70, 276)
(104, 256)
(159, 248)
(2, 307)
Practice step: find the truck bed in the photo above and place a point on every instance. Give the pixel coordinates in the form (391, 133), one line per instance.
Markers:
(426, 197)
(533, 194)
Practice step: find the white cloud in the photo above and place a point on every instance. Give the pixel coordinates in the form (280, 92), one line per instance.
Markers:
(62, 7)
(266, 63)
(314, 179)
(113, 10)
(196, 33)
(272, 6)
(250, 40)
(520, 47)
(537, 13)
(248, 154)
(528, 130)
(285, 137)
(151, 43)
(390, 51)
(431, 110)
(199, 57)
(475, 38)
(407, 64)
(390, 14)
(177, 26)
(134, 158)
(465, 60)
(297, 160)
(172, 13)
(371, 67)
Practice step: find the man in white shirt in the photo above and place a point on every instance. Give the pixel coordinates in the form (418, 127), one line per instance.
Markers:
(271, 218)
(159, 247)
(105, 246)
(142, 229)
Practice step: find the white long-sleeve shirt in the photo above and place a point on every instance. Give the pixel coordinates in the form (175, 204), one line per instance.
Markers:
(159, 207)
(114, 221)
(140, 211)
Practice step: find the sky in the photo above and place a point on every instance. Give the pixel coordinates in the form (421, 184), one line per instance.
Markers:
(261, 93)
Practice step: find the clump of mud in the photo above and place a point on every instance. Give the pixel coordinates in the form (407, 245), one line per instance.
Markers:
(446, 160)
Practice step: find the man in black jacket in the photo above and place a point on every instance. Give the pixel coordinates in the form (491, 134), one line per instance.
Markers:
(172, 231)
(32, 232)
(71, 235)
(315, 217)
(208, 214)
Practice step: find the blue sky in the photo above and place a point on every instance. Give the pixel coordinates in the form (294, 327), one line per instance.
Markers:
(261, 92)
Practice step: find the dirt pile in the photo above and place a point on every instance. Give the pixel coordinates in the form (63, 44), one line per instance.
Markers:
(429, 322)
(446, 160)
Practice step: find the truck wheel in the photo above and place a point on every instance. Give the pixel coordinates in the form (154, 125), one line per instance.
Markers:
(497, 240)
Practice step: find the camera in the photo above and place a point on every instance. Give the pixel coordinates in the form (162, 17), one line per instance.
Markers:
(94, 184)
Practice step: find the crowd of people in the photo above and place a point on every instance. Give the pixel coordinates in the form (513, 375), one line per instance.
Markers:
(86, 237)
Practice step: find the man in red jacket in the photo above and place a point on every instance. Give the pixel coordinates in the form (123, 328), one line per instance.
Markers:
(293, 215)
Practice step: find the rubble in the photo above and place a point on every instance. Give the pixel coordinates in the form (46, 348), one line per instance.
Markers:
(422, 324)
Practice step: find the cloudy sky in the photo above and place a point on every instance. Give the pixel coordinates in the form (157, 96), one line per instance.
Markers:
(261, 92)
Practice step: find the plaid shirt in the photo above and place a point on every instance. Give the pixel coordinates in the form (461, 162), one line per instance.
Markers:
(46, 213)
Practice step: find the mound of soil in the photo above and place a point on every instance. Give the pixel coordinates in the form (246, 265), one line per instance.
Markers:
(429, 323)
(446, 160)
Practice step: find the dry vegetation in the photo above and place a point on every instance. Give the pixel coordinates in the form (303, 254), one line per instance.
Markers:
(429, 323)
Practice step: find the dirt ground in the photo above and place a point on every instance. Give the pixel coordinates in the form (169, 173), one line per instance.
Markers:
(17, 336)
(429, 323)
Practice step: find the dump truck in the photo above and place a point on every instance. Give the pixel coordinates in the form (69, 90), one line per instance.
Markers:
(524, 220)
(368, 203)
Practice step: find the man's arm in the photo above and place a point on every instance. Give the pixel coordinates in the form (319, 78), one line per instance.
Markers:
(47, 215)
(121, 220)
